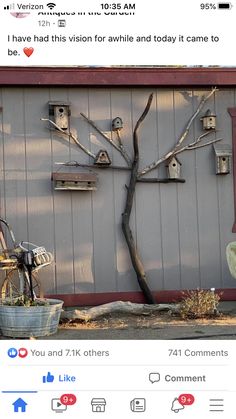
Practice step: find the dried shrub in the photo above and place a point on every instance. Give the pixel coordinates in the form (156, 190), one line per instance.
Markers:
(24, 301)
(199, 303)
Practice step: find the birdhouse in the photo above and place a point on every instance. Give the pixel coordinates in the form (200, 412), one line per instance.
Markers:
(102, 158)
(223, 153)
(209, 120)
(60, 111)
(117, 124)
(74, 181)
(173, 168)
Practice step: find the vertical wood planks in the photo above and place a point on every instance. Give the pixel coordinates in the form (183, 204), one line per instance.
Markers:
(207, 207)
(223, 100)
(62, 204)
(82, 210)
(13, 103)
(148, 195)
(121, 106)
(168, 195)
(187, 202)
(181, 229)
(38, 172)
(103, 198)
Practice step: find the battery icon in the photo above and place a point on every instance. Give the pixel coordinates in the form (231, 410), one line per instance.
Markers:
(224, 6)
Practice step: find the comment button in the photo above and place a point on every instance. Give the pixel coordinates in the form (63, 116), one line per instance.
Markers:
(154, 377)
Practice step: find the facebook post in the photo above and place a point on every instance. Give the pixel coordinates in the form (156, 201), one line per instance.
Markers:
(118, 208)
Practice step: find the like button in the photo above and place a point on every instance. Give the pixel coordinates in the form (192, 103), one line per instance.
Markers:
(49, 378)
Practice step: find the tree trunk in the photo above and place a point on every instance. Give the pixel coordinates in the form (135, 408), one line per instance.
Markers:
(136, 261)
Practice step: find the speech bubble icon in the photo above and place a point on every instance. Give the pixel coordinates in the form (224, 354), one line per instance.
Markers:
(154, 377)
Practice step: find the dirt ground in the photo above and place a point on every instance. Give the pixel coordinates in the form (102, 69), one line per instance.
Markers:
(128, 321)
(161, 326)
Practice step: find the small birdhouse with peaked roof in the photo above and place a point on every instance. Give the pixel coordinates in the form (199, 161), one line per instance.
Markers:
(173, 168)
(102, 158)
(223, 153)
(209, 120)
(117, 124)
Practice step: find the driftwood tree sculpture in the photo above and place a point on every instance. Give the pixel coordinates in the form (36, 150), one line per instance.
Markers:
(137, 175)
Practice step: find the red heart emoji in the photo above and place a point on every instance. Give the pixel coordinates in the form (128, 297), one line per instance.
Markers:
(28, 51)
(22, 352)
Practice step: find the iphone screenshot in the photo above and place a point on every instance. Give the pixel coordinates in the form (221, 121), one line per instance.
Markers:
(117, 209)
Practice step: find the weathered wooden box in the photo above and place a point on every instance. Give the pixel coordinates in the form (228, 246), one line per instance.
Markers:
(223, 153)
(173, 168)
(74, 181)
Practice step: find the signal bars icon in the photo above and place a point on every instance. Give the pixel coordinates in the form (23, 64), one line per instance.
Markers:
(9, 7)
(12, 6)
(51, 5)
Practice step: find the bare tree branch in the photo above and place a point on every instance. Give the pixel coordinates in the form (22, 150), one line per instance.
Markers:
(70, 135)
(200, 137)
(119, 138)
(133, 251)
(194, 147)
(183, 136)
(122, 149)
(188, 126)
(119, 148)
(126, 307)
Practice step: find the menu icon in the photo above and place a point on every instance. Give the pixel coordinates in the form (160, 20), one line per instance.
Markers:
(216, 405)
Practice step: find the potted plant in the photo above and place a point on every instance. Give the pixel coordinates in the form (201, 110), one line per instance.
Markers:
(23, 311)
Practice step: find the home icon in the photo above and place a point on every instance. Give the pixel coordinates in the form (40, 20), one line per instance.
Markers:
(98, 405)
(19, 405)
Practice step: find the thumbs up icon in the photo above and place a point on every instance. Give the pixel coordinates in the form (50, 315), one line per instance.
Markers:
(49, 378)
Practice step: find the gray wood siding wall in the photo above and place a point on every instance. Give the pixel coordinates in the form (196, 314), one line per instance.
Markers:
(181, 229)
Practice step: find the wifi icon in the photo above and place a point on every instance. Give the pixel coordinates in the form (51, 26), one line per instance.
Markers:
(51, 5)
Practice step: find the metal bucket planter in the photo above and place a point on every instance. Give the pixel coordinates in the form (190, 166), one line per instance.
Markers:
(21, 321)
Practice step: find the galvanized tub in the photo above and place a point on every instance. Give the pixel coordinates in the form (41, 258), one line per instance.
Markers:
(21, 321)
